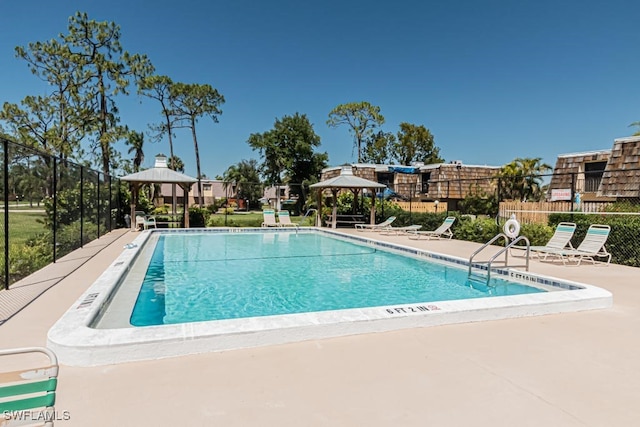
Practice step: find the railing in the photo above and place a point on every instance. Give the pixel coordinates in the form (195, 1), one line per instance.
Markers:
(504, 250)
(306, 215)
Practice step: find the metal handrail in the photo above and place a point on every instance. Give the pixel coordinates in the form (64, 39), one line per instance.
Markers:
(306, 215)
(505, 250)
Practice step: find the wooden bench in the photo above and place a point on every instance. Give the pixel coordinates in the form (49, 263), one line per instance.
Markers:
(346, 220)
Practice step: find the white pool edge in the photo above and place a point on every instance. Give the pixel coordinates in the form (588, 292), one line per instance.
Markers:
(78, 344)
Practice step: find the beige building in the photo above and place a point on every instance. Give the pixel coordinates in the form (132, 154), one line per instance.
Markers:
(212, 190)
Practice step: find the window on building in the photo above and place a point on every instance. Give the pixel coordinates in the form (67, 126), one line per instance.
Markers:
(385, 178)
(593, 175)
(425, 182)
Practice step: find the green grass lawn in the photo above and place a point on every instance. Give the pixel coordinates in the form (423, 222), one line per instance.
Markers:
(23, 225)
(251, 219)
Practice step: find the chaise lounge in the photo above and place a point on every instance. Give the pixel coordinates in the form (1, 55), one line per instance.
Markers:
(592, 247)
(444, 231)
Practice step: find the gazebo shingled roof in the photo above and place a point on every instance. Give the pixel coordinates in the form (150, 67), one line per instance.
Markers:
(346, 179)
(159, 174)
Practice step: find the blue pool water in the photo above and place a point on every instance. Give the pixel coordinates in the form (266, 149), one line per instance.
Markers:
(212, 276)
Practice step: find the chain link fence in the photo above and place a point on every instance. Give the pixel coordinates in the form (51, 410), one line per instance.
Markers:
(50, 207)
(539, 202)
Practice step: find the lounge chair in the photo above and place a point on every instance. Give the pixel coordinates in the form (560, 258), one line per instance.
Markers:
(269, 218)
(439, 233)
(30, 391)
(285, 219)
(560, 240)
(394, 231)
(376, 227)
(591, 247)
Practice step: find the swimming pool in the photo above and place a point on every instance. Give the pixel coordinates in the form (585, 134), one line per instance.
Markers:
(97, 329)
(199, 277)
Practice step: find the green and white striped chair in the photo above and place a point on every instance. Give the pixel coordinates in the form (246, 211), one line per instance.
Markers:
(591, 247)
(28, 396)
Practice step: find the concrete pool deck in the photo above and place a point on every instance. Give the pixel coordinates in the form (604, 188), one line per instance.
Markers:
(570, 369)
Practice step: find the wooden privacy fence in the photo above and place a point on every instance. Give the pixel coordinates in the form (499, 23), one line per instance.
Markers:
(423, 207)
(538, 212)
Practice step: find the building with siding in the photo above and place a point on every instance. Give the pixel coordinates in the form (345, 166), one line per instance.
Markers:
(600, 175)
(445, 182)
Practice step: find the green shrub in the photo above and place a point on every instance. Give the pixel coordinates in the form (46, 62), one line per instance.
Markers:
(622, 243)
(538, 234)
(198, 216)
(26, 258)
(479, 230)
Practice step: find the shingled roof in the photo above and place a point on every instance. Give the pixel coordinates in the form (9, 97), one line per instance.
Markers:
(621, 177)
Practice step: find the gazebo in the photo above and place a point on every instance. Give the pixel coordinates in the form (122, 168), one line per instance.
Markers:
(159, 174)
(347, 180)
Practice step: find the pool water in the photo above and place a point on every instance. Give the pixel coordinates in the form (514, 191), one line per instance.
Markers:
(212, 276)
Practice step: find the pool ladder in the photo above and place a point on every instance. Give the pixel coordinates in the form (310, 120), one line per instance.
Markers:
(488, 265)
(306, 215)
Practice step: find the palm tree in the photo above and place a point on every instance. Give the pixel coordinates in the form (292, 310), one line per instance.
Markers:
(176, 164)
(136, 141)
(521, 178)
(246, 176)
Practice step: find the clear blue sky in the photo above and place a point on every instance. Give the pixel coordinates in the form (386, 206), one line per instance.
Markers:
(492, 80)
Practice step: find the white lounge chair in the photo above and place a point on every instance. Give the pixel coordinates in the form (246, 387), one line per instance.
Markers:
(591, 247)
(394, 231)
(285, 219)
(444, 231)
(269, 218)
(560, 240)
(376, 227)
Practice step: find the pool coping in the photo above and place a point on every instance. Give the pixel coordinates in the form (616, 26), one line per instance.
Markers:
(78, 344)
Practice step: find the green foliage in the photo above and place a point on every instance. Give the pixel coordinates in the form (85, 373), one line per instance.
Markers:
(479, 202)
(189, 102)
(362, 119)
(245, 175)
(415, 143)
(521, 179)
(623, 239)
(251, 220)
(345, 205)
(538, 234)
(25, 259)
(479, 230)
(288, 152)
(198, 217)
(377, 147)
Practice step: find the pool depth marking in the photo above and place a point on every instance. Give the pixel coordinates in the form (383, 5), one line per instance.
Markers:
(411, 309)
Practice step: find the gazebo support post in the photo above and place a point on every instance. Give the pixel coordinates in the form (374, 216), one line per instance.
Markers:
(185, 190)
(134, 196)
(319, 210)
(373, 206)
(334, 192)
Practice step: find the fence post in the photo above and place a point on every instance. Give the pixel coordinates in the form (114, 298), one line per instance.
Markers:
(81, 205)
(573, 189)
(110, 200)
(55, 206)
(5, 146)
(99, 203)
(411, 193)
